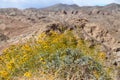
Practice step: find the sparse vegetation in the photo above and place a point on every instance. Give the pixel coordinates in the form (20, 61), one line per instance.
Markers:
(55, 56)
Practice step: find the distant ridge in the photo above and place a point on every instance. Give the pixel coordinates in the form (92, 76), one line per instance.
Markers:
(107, 9)
(112, 6)
(60, 6)
(66, 7)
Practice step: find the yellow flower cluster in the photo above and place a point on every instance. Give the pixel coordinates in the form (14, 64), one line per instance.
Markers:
(10, 65)
(3, 74)
(18, 59)
(27, 74)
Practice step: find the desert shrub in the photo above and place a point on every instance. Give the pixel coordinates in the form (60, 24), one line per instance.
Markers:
(62, 55)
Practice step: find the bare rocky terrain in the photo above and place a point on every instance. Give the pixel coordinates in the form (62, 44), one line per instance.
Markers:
(95, 23)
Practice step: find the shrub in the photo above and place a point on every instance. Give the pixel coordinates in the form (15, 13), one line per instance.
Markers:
(60, 54)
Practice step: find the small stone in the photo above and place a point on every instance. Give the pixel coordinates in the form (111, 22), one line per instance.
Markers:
(115, 63)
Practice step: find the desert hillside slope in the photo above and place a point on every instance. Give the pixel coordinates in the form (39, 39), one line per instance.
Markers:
(100, 24)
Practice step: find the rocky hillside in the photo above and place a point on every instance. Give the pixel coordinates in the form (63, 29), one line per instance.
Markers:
(96, 23)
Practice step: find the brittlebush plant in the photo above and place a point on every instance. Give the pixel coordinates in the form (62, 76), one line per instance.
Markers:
(59, 55)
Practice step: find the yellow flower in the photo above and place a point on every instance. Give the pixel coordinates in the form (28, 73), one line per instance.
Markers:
(53, 34)
(5, 50)
(1, 58)
(55, 40)
(43, 62)
(95, 73)
(10, 65)
(41, 35)
(4, 74)
(45, 47)
(27, 74)
(101, 55)
(79, 42)
(25, 57)
(26, 47)
(41, 59)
